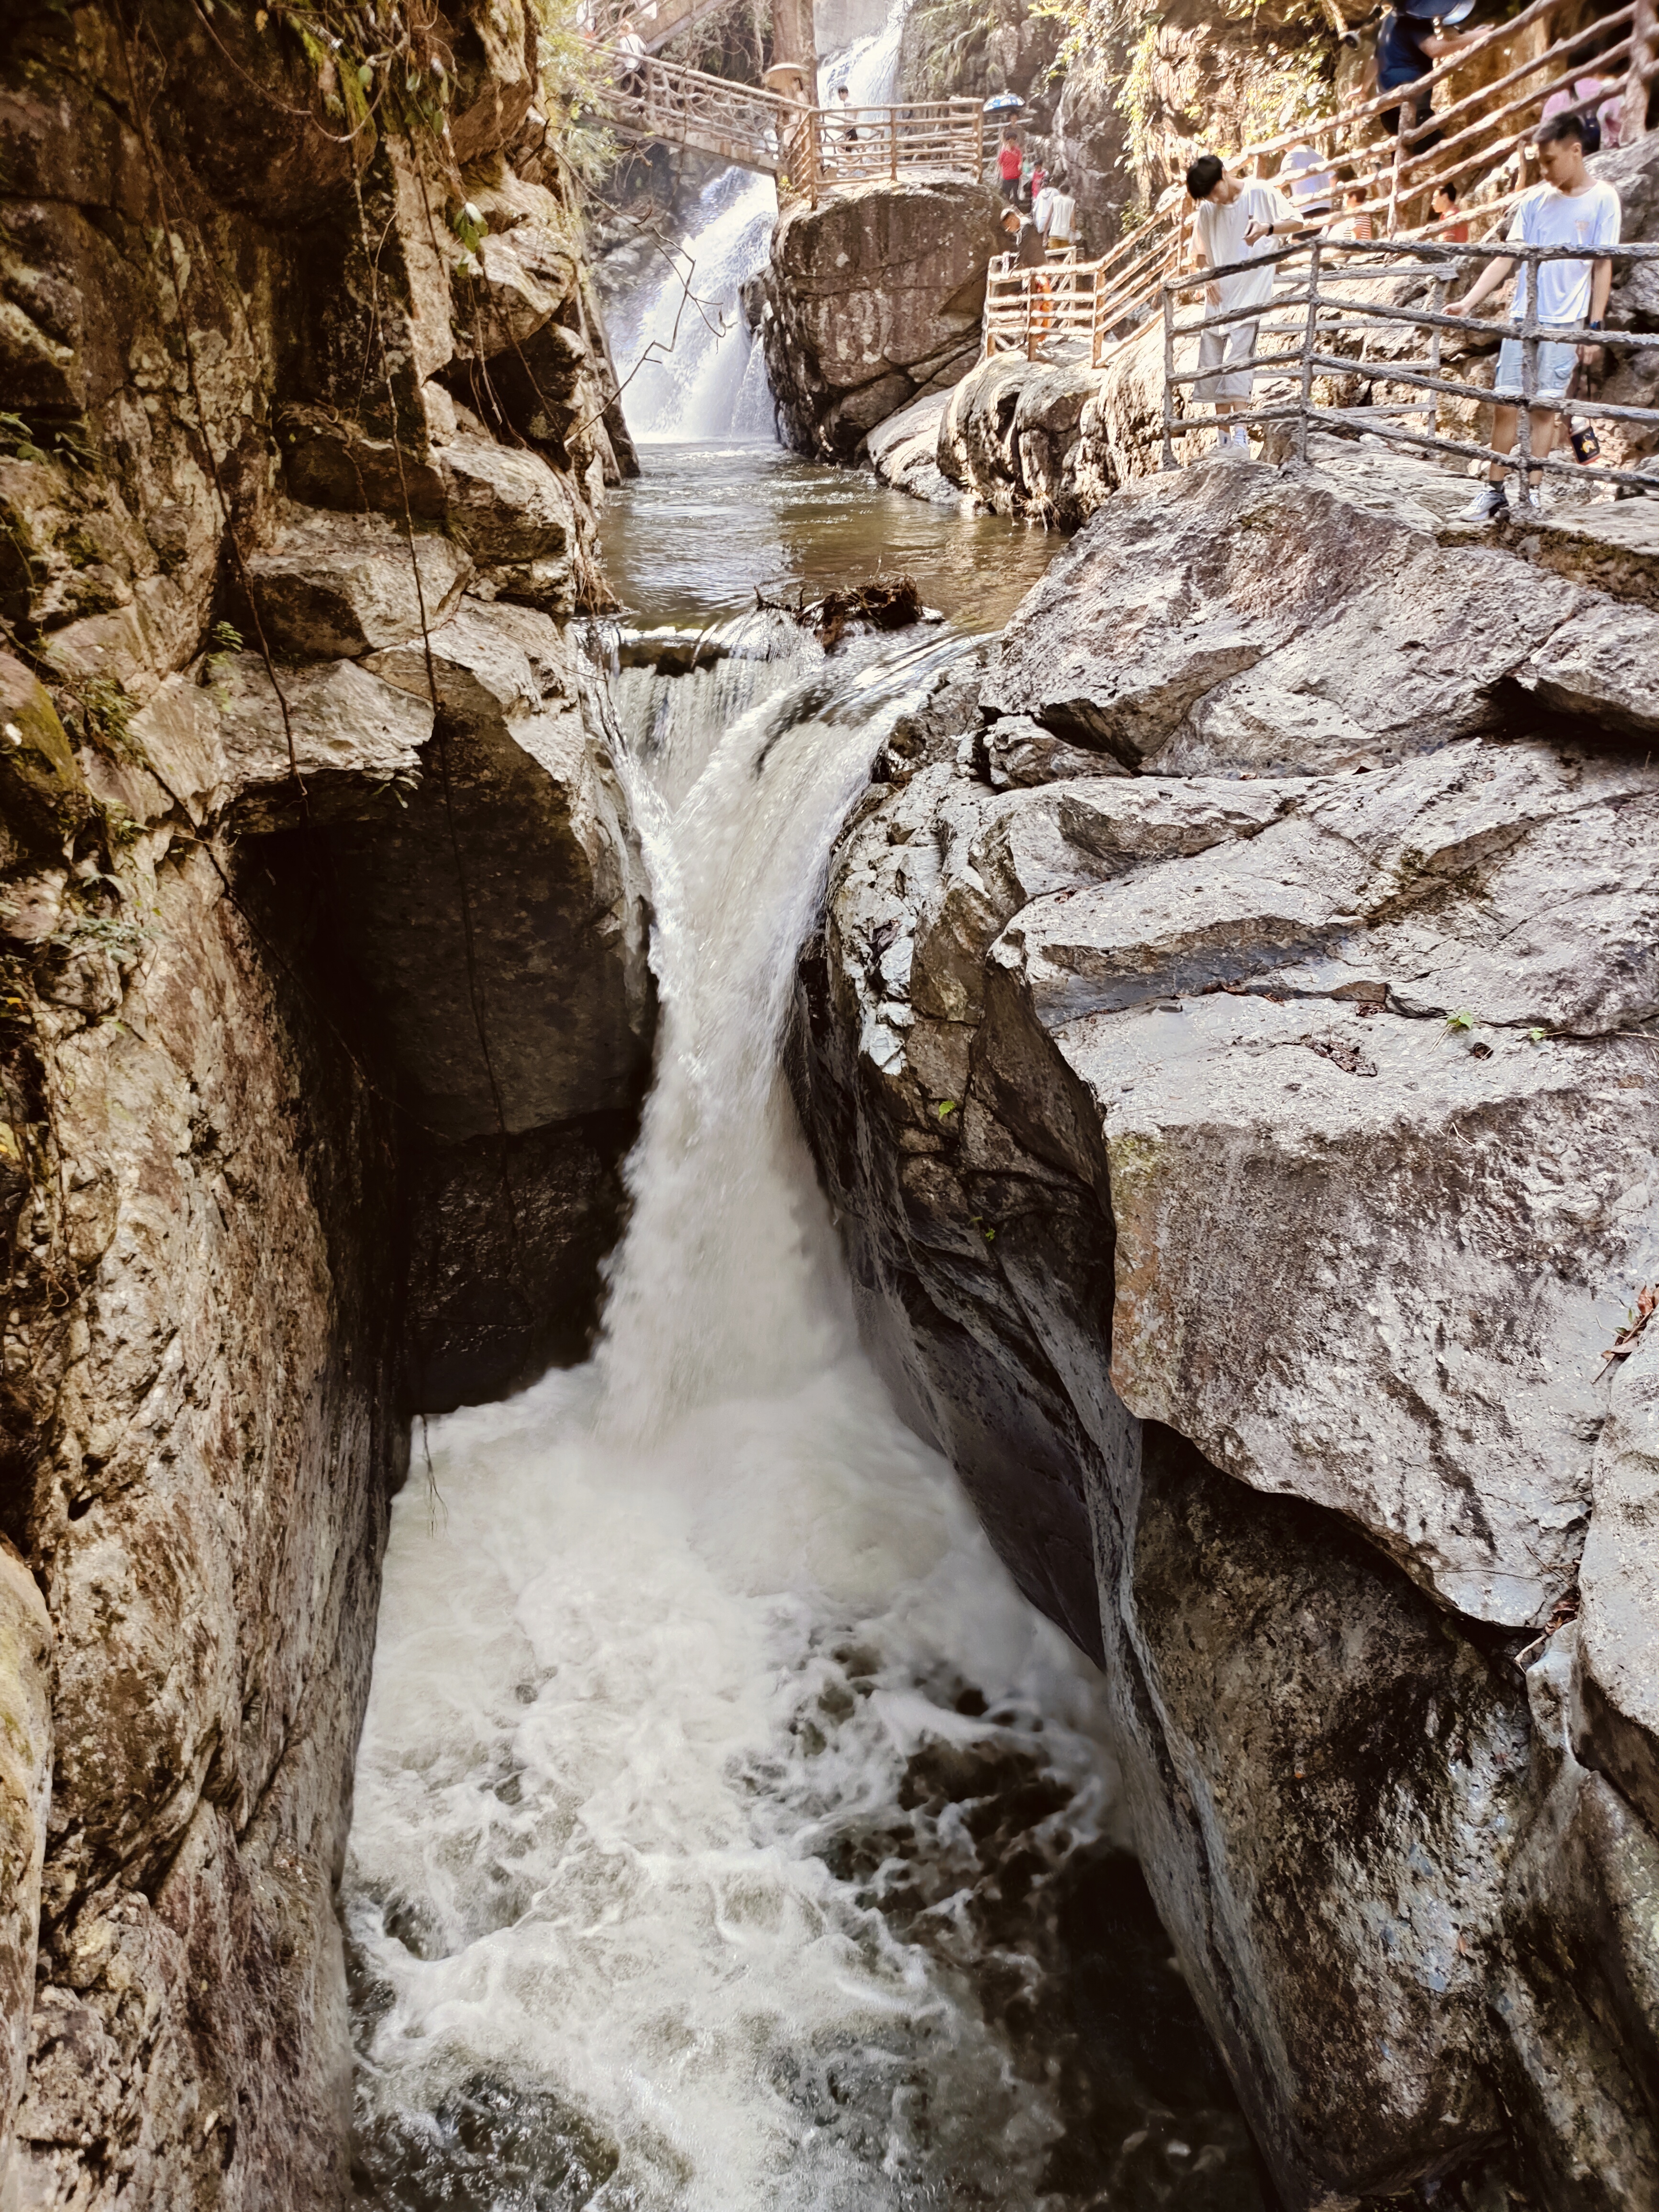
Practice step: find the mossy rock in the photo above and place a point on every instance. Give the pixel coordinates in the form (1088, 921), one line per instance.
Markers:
(43, 794)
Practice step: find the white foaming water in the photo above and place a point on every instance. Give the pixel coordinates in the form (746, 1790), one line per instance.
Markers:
(869, 68)
(649, 1907)
(693, 368)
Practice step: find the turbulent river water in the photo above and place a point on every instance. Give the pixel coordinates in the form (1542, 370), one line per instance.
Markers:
(729, 1833)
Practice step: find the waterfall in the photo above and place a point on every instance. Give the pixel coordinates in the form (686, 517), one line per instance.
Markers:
(656, 1902)
(692, 366)
(869, 67)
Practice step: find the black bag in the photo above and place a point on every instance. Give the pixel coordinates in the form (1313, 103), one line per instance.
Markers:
(1585, 444)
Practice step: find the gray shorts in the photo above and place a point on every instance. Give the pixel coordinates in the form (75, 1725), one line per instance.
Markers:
(1554, 371)
(1231, 349)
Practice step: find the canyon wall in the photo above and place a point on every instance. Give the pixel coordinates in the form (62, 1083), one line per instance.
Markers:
(326, 1012)
(1229, 1047)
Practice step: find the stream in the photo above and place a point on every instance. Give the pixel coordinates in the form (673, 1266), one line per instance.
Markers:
(729, 1834)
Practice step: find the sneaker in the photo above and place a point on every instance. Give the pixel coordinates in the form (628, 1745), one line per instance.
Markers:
(1530, 499)
(1489, 504)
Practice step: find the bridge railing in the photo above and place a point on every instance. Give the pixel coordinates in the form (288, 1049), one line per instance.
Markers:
(1301, 336)
(810, 150)
(1395, 174)
(917, 137)
(649, 97)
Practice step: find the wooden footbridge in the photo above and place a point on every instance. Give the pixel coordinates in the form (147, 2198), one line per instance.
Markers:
(811, 151)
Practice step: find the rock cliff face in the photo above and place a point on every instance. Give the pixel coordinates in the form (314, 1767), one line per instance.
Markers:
(1229, 1046)
(873, 298)
(324, 1010)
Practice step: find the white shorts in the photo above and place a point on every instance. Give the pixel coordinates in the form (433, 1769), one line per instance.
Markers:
(1554, 371)
(1234, 345)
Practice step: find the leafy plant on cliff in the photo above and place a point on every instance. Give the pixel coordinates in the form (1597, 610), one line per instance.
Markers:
(1130, 54)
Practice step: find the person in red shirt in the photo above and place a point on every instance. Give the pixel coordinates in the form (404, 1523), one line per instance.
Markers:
(1010, 162)
(1443, 201)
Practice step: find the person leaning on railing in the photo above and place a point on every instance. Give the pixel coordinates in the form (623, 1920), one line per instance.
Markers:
(1030, 252)
(1235, 215)
(1570, 208)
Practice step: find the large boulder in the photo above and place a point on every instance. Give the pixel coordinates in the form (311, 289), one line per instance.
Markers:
(1227, 1050)
(873, 298)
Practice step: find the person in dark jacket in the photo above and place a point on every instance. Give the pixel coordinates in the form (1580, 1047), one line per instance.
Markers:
(1409, 45)
(1031, 249)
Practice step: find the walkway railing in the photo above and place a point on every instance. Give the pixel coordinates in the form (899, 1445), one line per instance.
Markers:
(1327, 301)
(649, 97)
(810, 150)
(916, 138)
(1397, 174)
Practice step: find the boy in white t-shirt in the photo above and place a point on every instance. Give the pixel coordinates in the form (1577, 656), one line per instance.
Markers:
(1570, 208)
(1237, 219)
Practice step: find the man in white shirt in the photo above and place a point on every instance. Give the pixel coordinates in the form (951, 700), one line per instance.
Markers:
(1570, 208)
(1058, 219)
(631, 46)
(1238, 220)
(1307, 179)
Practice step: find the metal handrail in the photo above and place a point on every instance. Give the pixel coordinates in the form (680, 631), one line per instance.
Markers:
(1316, 299)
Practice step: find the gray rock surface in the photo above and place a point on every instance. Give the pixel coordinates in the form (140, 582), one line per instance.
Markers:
(1244, 1153)
(520, 817)
(904, 451)
(25, 1748)
(1616, 1679)
(337, 585)
(873, 298)
(1011, 436)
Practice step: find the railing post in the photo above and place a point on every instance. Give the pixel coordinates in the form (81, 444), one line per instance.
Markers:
(1528, 363)
(1437, 306)
(1309, 336)
(1398, 162)
(1644, 66)
(892, 143)
(1169, 374)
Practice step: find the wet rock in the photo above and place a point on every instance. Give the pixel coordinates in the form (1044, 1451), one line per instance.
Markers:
(507, 1243)
(337, 585)
(1011, 436)
(520, 819)
(875, 297)
(902, 451)
(1306, 1435)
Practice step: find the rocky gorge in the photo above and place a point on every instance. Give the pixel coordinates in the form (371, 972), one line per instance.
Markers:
(1225, 1048)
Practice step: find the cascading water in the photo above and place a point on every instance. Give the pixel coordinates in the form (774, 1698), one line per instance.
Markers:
(868, 68)
(720, 1806)
(693, 367)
